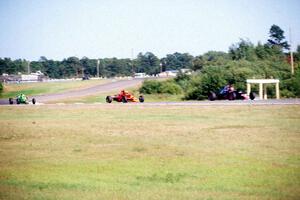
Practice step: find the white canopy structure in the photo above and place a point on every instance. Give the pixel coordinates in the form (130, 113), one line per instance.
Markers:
(263, 87)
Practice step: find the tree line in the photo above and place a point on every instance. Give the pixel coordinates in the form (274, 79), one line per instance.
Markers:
(107, 67)
(150, 64)
(244, 60)
(212, 69)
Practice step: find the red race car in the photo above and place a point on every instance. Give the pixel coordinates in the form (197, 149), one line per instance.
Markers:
(124, 97)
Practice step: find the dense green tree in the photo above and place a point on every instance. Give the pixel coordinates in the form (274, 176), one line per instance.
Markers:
(71, 67)
(177, 61)
(242, 50)
(36, 66)
(198, 63)
(261, 52)
(277, 38)
(51, 68)
(89, 66)
(5, 65)
(210, 58)
(297, 54)
(147, 63)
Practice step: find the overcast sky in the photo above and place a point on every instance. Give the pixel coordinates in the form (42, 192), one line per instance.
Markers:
(59, 29)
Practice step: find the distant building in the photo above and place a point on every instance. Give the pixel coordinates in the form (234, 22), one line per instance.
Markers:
(33, 77)
(173, 73)
(139, 75)
(168, 73)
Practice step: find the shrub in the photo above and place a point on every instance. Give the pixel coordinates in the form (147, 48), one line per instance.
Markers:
(150, 87)
(170, 88)
(183, 80)
(296, 83)
(157, 87)
(292, 86)
(195, 91)
(1, 87)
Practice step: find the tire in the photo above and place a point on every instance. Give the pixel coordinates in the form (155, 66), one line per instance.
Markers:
(231, 96)
(18, 101)
(252, 95)
(109, 99)
(212, 96)
(141, 98)
(124, 100)
(11, 101)
(33, 101)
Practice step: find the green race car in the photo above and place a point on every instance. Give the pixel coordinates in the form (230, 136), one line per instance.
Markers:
(21, 99)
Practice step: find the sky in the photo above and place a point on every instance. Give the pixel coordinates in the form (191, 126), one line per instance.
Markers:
(59, 29)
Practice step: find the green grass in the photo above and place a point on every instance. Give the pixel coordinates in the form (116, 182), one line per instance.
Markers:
(30, 89)
(12, 90)
(100, 98)
(116, 151)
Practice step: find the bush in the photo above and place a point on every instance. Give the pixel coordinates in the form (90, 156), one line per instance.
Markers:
(158, 87)
(169, 87)
(183, 80)
(195, 91)
(211, 78)
(150, 87)
(296, 83)
(1, 87)
(287, 94)
(292, 86)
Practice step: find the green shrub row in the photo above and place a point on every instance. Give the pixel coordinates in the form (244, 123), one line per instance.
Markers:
(1, 87)
(160, 87)
(213, 78)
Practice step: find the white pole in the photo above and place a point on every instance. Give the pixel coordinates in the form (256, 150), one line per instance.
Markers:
(98, 62)
(261, 91)
(265, 92)
(28, 67)
(248, 88)
(291, 53)
(277, 90)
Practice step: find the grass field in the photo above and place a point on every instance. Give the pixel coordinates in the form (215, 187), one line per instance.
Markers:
(41, 88)
(130, 151)
(12, 90)
(100, 98)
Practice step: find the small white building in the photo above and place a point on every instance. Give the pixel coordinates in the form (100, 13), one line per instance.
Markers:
(34, 77)
(173, 73)
(263, 86)
(168, 73)
(139, 75)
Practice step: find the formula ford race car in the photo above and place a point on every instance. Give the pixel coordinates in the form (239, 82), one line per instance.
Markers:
(228, 92)
(124, 97)
(21, 99)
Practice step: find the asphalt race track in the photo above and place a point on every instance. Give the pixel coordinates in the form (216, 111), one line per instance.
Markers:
(108, 87)
(121, 84)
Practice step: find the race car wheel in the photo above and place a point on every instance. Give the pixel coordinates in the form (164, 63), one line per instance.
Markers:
(109, 99)
(33, 101)
(212, 96)
(11, 101)
(141, 98)
(18, 101)
(231, 96)
(124, 100)
(252, 95)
